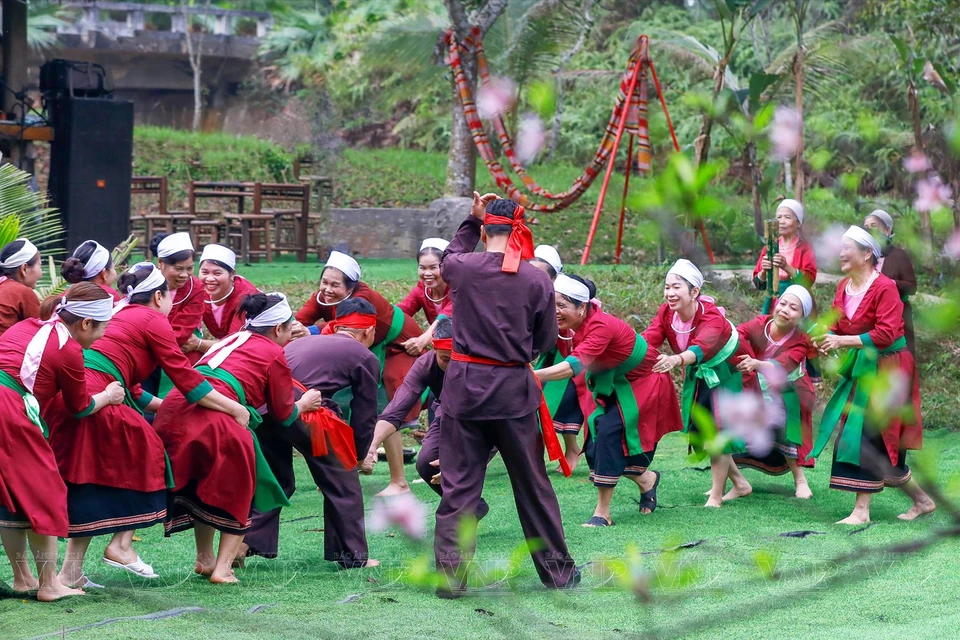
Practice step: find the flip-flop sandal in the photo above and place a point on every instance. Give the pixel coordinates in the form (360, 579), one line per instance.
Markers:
(138, 567)
(597, 521)
(85, 583)
(648, 499)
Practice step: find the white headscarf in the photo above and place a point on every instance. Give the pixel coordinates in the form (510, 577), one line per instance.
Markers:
(221, 254)
(271, 317)
(571, 288)
(174, 243)
(151, 282)
(344, 263)
(97, 261)
(884, 219)
(100, 310)
(549, 255)
(794, 206)
(434, 243)
(801, 293)
(688, 271)
(864, 238)
(21, 257)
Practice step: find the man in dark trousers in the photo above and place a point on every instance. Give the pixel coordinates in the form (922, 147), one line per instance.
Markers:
(506, 317)
(426, 373)
(328, 363)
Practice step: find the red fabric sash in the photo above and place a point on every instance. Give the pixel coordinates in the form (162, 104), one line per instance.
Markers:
(324, 424)
(352, 321)
(520, 245)
(445, 344)
(550, 439)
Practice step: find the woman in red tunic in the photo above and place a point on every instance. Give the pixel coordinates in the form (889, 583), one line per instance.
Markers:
(636, 407)
(876, 407)
(219, 472)
(340, 280)
(21, 270)
(224, 291)
(563, 396)
(39, 360)
(781, 347)
(795, 256)
(113, 462)
(92, 262)
(175, 257)
(431, 293)
(709, 347)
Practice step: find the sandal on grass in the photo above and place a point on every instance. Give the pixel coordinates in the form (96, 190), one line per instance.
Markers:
(598, 521)
(138, 567)
(648, 499)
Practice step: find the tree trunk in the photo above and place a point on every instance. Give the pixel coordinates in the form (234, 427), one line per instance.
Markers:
(702, 143)
(462, 156)
(800, 183)
(197, 97)
(926, 229)
(755, 177)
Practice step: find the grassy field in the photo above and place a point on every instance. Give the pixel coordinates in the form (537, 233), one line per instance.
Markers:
(737, 576)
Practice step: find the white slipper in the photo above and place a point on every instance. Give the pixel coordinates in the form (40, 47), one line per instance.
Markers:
(90, 584)
(137, 567)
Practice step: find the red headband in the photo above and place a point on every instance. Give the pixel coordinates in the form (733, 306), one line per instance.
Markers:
(352, 321)
(443, 343)
(520, 244)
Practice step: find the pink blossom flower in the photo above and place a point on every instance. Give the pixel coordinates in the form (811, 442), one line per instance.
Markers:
(827, 245)
(496, 97)
(785, 133)
(531, 137)
(932, 194)
(749, 417)
(916, 162)
(952, 247)
(403, 511)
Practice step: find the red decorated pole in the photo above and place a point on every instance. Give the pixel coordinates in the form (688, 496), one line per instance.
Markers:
(623, 201)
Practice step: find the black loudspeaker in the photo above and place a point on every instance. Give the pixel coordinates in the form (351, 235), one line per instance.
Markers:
(91, 164)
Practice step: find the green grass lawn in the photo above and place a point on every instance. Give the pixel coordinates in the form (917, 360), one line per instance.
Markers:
(743, 581)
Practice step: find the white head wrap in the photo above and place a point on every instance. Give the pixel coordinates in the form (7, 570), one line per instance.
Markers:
(277, 314)
(794, 206)
(344, 263)
(688, 271)
(272, 316)
(884, 219)
(151, 282)
(22, 257)
(219, 253)
(801, 293)
(572, 288)
(434, 243)
(549, 255)
(100, 310)
(174, 243)
(97, 261)
(864, 238)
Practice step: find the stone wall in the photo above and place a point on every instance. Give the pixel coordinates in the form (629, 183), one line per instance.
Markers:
(392, 233)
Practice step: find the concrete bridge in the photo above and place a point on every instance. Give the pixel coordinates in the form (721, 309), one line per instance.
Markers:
(145, 47)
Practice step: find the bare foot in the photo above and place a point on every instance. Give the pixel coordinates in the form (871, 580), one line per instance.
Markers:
(26, 586)
(371, 562)
(918, 509)
(855, 518)
(394, 489)
(738, 491)
(55, 591)
(203, 569)
(714, 502)
(240, 560)
(803, 491)
(224, 579)
(116, 554)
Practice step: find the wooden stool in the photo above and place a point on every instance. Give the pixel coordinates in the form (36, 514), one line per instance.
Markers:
(203, 232)
(247, 230)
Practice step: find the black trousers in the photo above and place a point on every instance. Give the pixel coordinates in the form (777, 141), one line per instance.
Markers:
(430, 451)
(464, 451)
(344, 535)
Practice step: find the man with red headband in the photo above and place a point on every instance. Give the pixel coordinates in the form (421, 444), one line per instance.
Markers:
(427, 373)
(341, 359)
(506, 317)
